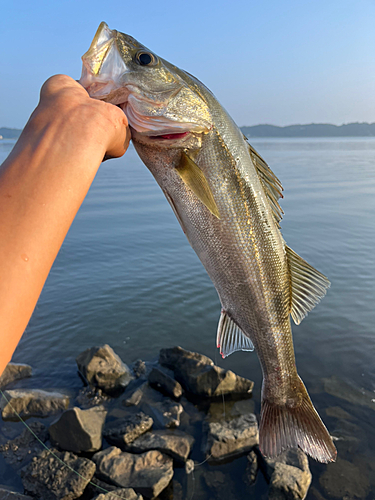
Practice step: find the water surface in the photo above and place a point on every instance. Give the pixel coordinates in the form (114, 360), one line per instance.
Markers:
(127, 276)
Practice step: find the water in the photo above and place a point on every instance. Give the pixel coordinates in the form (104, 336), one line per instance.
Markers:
(127, 276)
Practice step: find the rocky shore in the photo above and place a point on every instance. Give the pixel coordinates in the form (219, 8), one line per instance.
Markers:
(143, 431)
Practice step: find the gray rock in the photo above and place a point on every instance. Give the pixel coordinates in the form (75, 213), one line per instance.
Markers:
(79, 430)
(164, 383)
(123, 431)
(32, 403)
(189, 466)
(343, 480)
(148, 473)
(13, 372)
(125, 493)
(177, 444)
(8, 494)
(252, 467)
(103, 368)
(167, 413)
(17, 452)
(231, 438)
(88, 397)
(140, 368)
(134, 396)
(45, 477)
(355, 395)
(288, 483)
(198, 375)
(292, 457)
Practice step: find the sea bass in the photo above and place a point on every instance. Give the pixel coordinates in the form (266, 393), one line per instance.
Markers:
(225, 198)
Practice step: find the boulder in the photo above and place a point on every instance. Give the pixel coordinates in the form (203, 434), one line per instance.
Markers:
(177, 444)
(148, 473)
(103, 368)
(122, 432)
(344, 480)
(78, 430)
(45, 477)
(292, 457)
(199, 375)
(165, 383)
(166, 413)
(19, 451)
(13, 372)
(32, 403)
(125, 493)
(9, 494)
(288, 483)
(140, 368)
(230, 438)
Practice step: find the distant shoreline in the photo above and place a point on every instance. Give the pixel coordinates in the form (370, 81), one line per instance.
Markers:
(309, 130)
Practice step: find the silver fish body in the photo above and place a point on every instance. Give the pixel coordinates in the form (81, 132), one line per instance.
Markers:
(225, 198)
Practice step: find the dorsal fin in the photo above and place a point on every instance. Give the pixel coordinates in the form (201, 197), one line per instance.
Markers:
(308, 286)
(230, 337)
(271, 184)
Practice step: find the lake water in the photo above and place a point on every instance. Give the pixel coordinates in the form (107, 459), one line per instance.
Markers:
(127, 276)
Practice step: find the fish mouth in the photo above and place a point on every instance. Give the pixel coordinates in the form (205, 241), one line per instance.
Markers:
(110, 77)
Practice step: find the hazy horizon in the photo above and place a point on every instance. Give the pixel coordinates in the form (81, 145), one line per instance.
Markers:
(273, 62)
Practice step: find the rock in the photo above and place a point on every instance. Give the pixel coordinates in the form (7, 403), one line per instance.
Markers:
(288, 483)
(32, 403)
(198, 375)
(125, 493)
(89, 397)
(344, 481)
(8, 494)
(231, 438)
(167, 413)
(292, 457)
(17, 452)
(337, 387)
(148, 473)
(45, 477)
(123, 431)
(164, 383)
(252, 467)
(220, 485)
(288, 474)
(13, 372)
(79, 430)
(103, 368)
(177, 444)
(96, 487)
(140, 368)
(189, 466)
(220, 410)
(134, 394)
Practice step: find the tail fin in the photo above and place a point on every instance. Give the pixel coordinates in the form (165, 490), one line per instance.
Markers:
(292, 426)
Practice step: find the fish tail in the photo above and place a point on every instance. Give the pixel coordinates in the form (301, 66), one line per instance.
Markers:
(294, 424)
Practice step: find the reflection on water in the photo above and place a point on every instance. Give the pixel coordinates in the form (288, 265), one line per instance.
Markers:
(126, 276)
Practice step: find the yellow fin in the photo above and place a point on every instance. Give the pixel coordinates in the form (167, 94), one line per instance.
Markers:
(308, 286)
(195, 179)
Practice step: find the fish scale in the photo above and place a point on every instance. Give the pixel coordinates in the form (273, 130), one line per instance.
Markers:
(225, 198)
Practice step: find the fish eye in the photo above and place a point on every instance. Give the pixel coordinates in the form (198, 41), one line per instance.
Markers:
(145, 59)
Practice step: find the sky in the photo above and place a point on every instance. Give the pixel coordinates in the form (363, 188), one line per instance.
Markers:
(277, 62)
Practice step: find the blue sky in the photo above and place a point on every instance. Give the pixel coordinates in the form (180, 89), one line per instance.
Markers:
(278, 62)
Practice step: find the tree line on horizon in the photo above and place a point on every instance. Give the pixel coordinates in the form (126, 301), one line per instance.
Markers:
(309, 130)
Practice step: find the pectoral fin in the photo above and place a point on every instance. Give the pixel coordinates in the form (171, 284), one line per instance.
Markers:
(230, 337)
(195, 179)
(308, 286)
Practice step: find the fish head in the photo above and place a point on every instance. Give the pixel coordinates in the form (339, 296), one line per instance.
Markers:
(155, 95)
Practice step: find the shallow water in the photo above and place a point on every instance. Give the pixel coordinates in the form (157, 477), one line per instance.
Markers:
(127, 276)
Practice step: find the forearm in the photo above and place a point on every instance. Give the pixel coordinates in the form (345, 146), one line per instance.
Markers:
(42, 186)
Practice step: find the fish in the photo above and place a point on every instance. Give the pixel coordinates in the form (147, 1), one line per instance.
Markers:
(226, 199)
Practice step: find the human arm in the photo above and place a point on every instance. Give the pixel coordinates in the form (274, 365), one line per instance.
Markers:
(42, 185)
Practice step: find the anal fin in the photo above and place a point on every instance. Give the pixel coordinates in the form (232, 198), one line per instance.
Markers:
(230, 337)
